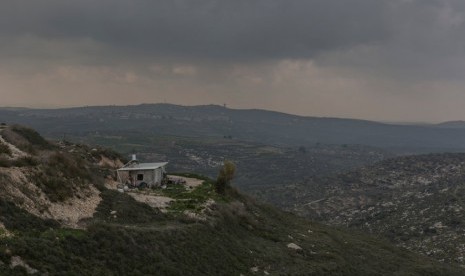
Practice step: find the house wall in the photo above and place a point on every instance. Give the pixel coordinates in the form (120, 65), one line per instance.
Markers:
(153, 178)
(158, 176)
(148, 177)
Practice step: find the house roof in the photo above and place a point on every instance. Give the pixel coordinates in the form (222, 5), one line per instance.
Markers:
(142, 166)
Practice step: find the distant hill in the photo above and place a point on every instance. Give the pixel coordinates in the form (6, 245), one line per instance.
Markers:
(417, 202)
(61, 214)
(452, 124)
(251, 125)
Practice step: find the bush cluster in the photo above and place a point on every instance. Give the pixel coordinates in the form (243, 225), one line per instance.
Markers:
(4, 149)
(26, 161)
(61, 176)
(26, 139)
(32, 136)
(225, 176)
(127, 209)
(15, 218)
(243, 235)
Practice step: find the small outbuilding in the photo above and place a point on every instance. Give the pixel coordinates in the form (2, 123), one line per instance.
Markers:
(136, 174)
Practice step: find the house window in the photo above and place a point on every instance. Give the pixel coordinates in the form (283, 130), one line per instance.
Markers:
(140, 177)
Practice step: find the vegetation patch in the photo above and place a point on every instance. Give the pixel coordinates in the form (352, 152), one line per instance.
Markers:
(98, 152)
(118, 207)
(63, 233)
(416, 202)
(25, 161)
(5, 149)
(26, 139)
(56, 187)
(17, 219)
(127, 237)
(229, 246)
(62, 176)
(31, 136)
(191, 200)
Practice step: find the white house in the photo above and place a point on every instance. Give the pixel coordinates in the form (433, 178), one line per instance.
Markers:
(137, 174)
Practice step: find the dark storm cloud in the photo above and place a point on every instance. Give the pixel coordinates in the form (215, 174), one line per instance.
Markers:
(379, 59)
(425, 41)
(203, 28)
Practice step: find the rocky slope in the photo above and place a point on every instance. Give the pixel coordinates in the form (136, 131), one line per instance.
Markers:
(52, 181)
(60, 214)
(417, 202)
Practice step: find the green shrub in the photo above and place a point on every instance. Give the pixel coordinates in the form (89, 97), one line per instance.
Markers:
(109, 153)
(15, 218)
(69, 166)
(25, 161)
(25, 139)
(5, 149)
(61, 176)
(57, 188)
(6, 163)
(32, 136)
(242, 236)
(128, 210)
(225, 176)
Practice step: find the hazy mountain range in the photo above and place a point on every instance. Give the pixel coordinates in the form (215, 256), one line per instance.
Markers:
(250, 125)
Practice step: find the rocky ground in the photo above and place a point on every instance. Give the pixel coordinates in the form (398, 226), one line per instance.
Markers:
(28, 183)
(418, 202)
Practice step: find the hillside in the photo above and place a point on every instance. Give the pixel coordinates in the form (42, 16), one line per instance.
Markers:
(52, 180)
(417, 202)
(249, 125)
(452, 124)
(60, 213)
(260, 166)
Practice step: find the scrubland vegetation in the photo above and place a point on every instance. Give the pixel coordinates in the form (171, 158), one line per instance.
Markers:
(239, 237)
(235, 235)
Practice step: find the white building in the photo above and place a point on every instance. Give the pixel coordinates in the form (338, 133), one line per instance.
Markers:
(137, 174)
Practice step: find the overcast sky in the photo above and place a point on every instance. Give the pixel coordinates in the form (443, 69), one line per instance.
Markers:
(388, 60)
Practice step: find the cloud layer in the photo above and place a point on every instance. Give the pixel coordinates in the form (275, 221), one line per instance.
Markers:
(311, 57)
(201, 29)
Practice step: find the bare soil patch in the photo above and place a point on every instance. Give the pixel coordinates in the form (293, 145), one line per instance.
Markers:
(155, 201)
(189, 182)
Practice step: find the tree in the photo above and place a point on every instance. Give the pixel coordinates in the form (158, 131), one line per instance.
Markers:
(225, 176)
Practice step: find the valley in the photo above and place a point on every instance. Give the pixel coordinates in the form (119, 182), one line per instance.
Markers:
(200, 232)
(414, 201)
